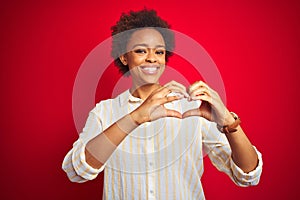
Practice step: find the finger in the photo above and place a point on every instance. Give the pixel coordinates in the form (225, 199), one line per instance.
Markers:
(168, 99)
(203, 97)
(178, 91)
(161, 92)
(197, 112)
(174, 83)
(200, 91)
(161, 111)
(177, 88)
(203, 84)
(194, 86)
(211, 91)
(198, 84)
(173, 113)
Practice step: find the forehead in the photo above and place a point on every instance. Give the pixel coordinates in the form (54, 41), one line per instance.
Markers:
(148, 37)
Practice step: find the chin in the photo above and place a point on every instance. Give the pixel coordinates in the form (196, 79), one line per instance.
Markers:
(148, 82)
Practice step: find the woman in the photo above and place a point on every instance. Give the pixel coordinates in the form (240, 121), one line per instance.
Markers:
(150, 139)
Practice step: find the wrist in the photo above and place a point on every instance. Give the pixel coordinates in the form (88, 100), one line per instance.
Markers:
(232, 127)
(127, 124)
(230, 119)
(134, 118)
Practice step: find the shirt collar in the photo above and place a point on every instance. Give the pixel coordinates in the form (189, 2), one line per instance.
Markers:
(126, 97)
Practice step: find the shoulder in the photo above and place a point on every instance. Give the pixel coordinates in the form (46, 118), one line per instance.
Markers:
(113, 103)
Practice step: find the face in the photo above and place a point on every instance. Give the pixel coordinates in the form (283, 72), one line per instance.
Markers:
(145, 57)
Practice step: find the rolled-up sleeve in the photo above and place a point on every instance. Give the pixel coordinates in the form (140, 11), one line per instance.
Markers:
(76, 167)
(250, 178)
(74, 163)
(217, 148)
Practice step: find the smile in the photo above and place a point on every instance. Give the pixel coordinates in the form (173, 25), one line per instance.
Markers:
(151, 70)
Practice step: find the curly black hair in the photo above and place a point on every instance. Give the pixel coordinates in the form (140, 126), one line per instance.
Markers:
(129, 23)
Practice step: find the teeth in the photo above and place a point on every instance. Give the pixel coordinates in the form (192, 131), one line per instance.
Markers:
(150, 69)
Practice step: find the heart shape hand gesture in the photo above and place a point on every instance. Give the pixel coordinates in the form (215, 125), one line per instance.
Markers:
(211, 108)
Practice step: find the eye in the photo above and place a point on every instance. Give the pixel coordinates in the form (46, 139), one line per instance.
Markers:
(160, 52)
(140, 51)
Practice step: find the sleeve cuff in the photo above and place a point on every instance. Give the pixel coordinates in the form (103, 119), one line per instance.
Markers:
(247, 179)
(81, 167)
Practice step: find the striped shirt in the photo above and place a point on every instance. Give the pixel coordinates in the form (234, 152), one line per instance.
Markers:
(162, 159)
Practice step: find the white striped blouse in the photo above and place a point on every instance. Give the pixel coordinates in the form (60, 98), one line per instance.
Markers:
(162, 159)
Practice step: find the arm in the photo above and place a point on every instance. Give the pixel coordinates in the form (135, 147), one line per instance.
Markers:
(243, 152)
(99, 149)
(90, 152)
(213, 109)
(219, 151)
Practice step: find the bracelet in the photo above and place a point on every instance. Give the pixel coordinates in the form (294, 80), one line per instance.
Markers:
(230, 128)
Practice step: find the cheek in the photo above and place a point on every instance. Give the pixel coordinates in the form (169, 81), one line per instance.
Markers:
(162, 60)
(135, 60)
(133, 63)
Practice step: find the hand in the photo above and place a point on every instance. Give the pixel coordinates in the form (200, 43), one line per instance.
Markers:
(153, 107)
(211, 108)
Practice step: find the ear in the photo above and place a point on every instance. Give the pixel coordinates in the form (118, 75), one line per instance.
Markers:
(123, 59)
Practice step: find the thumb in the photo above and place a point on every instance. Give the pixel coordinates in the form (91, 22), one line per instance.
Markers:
(193, 112)
(197, 112)
(173, 113)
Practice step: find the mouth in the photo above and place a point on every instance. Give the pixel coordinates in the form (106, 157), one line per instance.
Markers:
(150, 70)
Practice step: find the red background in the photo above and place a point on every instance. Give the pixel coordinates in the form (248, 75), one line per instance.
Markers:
(43, 43)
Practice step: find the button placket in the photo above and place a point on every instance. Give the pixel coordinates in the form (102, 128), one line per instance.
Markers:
(151, 167)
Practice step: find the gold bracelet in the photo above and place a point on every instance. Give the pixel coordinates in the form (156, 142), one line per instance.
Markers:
(230, 128)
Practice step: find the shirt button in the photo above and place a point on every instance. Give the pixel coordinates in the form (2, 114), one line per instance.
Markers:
(151, 192)
(150, 163)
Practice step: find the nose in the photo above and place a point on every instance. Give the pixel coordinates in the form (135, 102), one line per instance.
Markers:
(151, 57)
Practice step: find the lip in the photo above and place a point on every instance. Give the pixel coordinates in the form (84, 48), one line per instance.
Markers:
(150, 69)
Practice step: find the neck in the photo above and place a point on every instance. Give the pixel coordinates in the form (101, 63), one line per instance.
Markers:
(144, 91)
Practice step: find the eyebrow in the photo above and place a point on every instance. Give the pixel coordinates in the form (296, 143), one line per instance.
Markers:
(145, 45)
